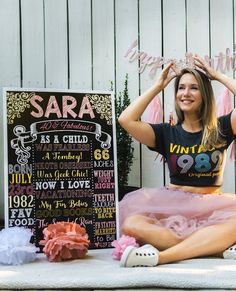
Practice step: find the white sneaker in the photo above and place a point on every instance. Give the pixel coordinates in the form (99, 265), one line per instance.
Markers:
(230, 253)
(145, 256)
(148, 246)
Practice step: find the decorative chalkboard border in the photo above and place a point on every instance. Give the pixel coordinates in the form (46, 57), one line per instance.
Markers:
(60, 161)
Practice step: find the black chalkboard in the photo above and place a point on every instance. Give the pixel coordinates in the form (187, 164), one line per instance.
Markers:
(61, 161)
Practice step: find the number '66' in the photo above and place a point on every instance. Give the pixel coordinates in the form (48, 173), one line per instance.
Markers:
(101, 154)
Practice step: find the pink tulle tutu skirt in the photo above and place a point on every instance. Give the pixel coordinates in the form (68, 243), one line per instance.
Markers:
(181, 212)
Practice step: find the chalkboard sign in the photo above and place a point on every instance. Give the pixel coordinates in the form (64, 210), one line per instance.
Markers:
(60, 161)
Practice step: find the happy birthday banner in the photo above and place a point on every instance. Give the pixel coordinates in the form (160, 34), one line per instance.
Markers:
(61, 166)
(221, 62)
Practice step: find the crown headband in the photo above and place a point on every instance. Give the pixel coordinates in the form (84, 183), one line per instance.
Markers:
(187, 63)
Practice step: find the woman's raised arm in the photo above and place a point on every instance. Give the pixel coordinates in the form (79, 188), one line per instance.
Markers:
(130, 117)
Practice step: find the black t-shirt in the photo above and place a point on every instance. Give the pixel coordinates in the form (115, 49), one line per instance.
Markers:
(189, 163)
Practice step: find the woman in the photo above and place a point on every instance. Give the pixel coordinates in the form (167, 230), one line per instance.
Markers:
(191, 217)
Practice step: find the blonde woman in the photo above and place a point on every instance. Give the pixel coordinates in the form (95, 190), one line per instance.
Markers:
(190, 217)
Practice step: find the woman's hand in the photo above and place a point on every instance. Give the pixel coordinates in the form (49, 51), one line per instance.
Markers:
(167, 74)
(203, 65)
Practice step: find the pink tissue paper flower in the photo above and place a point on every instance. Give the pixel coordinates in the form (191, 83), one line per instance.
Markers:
(121, 244)
(65, 241)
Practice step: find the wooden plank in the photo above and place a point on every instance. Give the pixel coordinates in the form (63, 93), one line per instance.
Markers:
(126, 29)
(56, 43)
(221, 38)
(80, 48)
(221, 17)
(103, 44)
(10, 64)
(33, 62)
(151, 44)
(198, 27)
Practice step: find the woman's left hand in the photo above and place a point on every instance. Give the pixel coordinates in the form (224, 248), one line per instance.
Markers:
(203, 65)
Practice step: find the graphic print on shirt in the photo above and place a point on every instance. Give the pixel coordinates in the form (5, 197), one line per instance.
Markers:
(195, 161)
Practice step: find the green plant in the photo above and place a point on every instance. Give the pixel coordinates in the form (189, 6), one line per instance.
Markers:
(125, 150)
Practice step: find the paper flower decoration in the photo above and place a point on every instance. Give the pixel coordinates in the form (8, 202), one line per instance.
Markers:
(121, 244)
(65, 241)
(15, 246)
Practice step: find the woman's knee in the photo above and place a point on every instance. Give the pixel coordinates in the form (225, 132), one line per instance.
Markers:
(132, 225)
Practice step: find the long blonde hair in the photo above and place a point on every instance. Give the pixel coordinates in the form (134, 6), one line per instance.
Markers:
(212, 136)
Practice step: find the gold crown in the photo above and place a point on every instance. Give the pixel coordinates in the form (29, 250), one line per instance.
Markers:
(187, 62)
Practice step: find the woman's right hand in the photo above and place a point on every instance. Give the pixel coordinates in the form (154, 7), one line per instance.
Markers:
(167, 74)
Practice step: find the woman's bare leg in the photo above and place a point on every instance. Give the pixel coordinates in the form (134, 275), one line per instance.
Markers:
(207, 241)
(145, 231)
(204, 242)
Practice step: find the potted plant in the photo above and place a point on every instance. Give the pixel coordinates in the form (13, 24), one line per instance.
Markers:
(125, 150)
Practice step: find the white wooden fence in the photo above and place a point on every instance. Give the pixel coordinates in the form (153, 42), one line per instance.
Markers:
(82, 44)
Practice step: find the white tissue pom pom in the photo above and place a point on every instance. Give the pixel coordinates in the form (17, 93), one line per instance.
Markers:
(15, 246)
